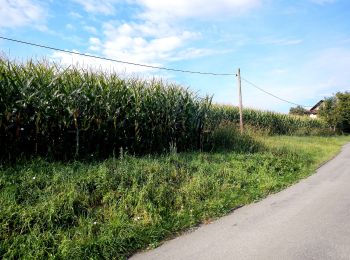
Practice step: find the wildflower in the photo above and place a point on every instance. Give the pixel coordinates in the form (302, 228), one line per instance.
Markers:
(95, 223)
(137, 218)
(34, 178)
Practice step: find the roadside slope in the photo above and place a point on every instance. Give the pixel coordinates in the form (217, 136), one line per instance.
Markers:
(309, 220)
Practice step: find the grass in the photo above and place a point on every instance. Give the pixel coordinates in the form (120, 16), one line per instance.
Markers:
(113, 208)
(319, 149)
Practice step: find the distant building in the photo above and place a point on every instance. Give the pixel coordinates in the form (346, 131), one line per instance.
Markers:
(315, 109)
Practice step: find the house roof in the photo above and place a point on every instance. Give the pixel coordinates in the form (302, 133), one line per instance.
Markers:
(317, 105)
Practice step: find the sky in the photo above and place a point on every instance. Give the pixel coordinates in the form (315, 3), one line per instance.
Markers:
(298, 50)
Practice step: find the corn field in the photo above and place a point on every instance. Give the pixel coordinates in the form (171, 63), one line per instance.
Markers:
(270, 122)
(67, 113)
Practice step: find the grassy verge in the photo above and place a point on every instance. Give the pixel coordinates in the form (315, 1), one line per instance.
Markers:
(112, 208)
(318, 149)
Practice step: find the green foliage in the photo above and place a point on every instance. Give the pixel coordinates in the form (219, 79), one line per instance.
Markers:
(226, 137)
(76, 113)
(268, 122)
(336, 111)
(328, 111)
(111, 209)
(343, 111)
(298, 111)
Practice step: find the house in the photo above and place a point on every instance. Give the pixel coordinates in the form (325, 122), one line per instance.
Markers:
(314, 110)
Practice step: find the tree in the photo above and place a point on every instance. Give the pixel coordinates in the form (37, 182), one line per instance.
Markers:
(336, 111)
(328, 112)
(343, 111)
(298, 110)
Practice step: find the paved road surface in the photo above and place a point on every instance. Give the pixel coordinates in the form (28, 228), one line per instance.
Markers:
(310, 220)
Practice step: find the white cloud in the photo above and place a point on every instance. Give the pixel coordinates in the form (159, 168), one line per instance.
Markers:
(80, 61)
(154, 38)
(90, 29)
(323, 2)
(70, 26)
(106, 7)
(95, 44)
(325, 73)
(75, 15)
(95, 41)
(16, 13)
(167, 10)
(278, 72)
(330, 67)
(144, 43)
(161, 10)
(282, 42)
(192, 53)
(139, 44)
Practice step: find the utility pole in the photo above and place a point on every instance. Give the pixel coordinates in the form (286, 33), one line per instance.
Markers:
(240, 100)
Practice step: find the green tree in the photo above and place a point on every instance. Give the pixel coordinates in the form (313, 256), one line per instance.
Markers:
(336, 111)
(343, 111)
(298, 110)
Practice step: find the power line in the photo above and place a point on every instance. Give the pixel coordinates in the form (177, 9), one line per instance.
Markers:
(114, 60)
(282, 99)
(147, 66)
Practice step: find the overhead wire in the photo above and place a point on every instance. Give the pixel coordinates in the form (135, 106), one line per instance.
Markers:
(149, 66)
(269, 93)
(115, 60)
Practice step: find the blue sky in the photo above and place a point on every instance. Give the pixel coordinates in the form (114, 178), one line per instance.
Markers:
(298, 50)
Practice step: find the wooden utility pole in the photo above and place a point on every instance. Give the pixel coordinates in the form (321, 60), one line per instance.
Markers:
(240, 100)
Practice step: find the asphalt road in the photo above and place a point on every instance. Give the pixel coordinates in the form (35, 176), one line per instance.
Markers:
(310, 220)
